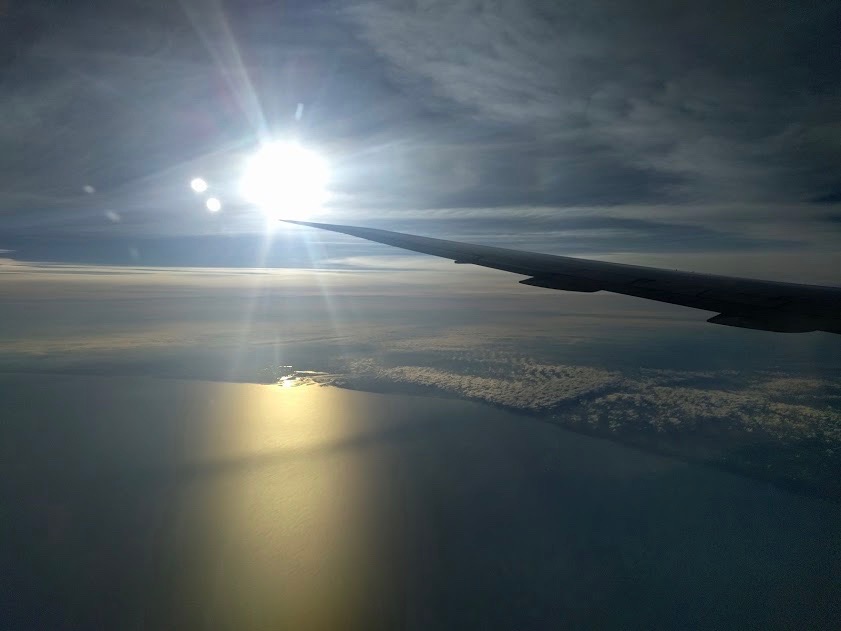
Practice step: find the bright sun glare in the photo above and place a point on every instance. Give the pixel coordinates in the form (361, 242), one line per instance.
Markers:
(285, 180)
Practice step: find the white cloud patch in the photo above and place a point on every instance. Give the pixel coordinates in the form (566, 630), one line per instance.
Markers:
(711, 413)
(524, 386)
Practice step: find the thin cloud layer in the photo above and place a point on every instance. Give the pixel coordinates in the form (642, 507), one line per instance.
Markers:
(707, 101)
(586, 127)
(637, 372)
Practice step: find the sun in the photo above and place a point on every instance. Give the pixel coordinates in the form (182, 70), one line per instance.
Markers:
(285, 180)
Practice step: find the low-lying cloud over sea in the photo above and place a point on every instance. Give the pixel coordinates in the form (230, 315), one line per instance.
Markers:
(653, 376)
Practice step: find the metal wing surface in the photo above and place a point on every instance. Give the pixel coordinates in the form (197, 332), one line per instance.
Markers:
(740, 302)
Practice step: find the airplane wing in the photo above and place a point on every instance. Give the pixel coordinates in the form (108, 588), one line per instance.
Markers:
(740, 302)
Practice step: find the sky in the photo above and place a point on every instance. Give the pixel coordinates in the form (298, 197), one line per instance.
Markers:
(703, 137)
(706, 134)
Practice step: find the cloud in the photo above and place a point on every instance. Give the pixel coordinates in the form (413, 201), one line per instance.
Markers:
(711, 413)
(475, 117)
(693, 95)
(775, 426)
(527, 387)
(639, 373)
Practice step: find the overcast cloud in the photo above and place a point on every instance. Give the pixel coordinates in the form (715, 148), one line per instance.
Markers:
(587, 128)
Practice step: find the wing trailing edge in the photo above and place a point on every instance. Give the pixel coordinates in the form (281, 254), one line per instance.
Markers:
(739, 302)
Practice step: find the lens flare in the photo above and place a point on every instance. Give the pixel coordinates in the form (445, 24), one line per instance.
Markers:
(198, 185)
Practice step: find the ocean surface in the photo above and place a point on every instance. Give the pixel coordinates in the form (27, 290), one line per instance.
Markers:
(139, 503)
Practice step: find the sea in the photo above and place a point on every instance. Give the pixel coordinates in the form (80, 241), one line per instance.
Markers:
(143, 503)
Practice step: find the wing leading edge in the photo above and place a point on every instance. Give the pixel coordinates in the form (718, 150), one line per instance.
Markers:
(740, 302)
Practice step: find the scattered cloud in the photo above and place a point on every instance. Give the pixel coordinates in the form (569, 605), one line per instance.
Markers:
(773, 426)
(528, 387)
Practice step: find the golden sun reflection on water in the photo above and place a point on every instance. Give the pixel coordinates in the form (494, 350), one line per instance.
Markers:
(287, 537)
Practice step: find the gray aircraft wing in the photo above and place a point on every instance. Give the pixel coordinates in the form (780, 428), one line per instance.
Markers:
(741, 302)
